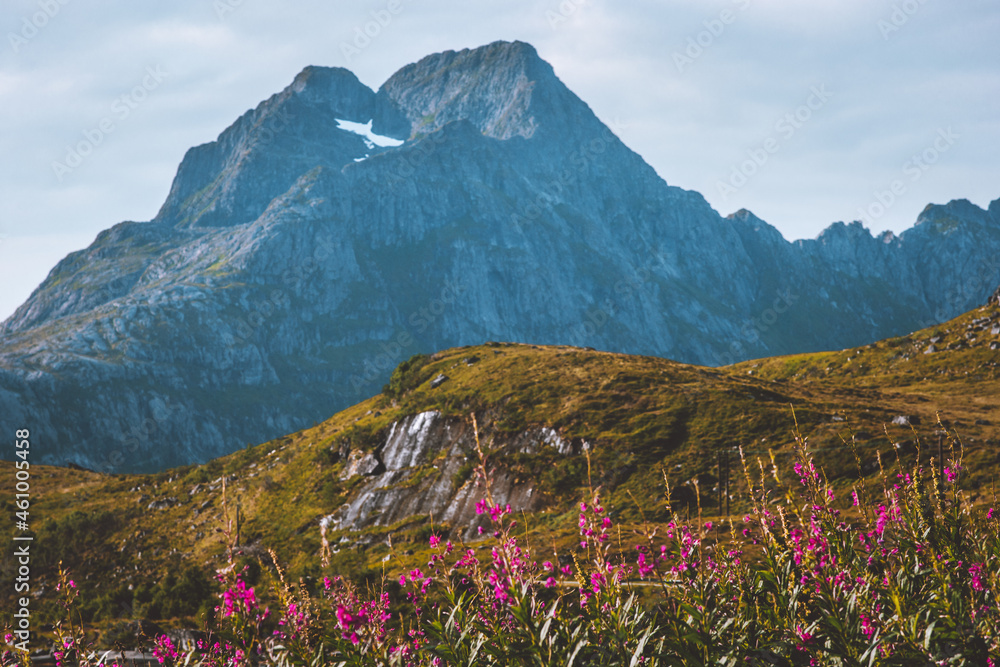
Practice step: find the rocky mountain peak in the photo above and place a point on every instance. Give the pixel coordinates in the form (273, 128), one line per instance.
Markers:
(753, 230)
(231, 180)
(332, 232)
(747, 217)
(841, 230)
(505, 89)
(336, 88)
(945, 217)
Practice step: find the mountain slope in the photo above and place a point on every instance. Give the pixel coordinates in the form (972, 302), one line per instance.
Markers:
(334, 231)
(552, 420)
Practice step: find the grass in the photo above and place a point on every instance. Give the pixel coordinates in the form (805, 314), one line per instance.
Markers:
(643, 420)
(901, 570)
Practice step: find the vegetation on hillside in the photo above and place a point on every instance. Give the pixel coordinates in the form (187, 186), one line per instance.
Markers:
(146, 547)
(902, 571)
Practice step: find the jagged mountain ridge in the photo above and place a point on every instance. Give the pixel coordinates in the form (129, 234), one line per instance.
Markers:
(295, 263)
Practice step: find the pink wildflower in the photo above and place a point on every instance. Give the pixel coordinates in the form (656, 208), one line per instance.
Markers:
(976, 572)
(644, 567)
(239, 599)
(164, 650)
(867, 629)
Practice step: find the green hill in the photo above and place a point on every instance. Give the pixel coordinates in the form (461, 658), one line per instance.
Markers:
(552, 421)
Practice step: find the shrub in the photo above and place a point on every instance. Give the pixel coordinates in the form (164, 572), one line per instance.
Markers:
(406, 376)
(904, 573)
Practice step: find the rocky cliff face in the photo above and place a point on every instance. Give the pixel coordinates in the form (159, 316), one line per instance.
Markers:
(334, 231)
(423, 468)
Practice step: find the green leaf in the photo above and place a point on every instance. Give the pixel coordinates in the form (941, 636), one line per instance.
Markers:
(637, 655)
(927, 636)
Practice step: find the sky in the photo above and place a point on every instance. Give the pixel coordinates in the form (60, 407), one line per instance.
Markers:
(805, 113)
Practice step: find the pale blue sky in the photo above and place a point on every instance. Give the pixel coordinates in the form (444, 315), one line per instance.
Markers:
(699, 89)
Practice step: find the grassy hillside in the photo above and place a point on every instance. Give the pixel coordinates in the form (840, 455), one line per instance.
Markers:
(145, 545)
(949, 370)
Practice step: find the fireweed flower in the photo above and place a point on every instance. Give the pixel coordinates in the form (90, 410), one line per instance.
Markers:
(351, 621)
(496, 512)
(806, 473)
(294, 624)
(867, 628)
(164, 650)
(885, 515)
(645, 569)
(831, 566)
(976, 574)
(239, 600)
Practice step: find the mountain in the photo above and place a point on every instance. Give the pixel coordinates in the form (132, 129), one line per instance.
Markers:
(334, 231)
(367, 485)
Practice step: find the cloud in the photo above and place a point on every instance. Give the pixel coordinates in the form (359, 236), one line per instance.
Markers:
(891, 93)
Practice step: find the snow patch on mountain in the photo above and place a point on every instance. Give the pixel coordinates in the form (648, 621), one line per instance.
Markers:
(365, 130)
